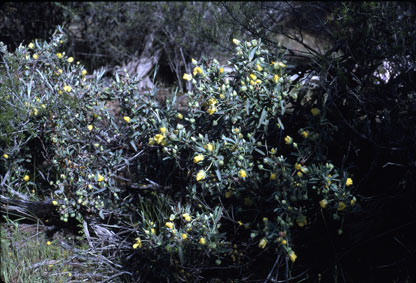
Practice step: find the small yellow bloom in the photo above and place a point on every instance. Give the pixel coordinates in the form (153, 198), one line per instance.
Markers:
(48, 243)
(67, 88)
(281, 64)
(127, 119)
(169, 225)
(275, 78)
(54, 202)
(236, 130)
(352, 201)
(212, 109)
(297, 166)
(158, 138)
(202, 241)
(200, 175)
(259, 68)
(258, 81)
(210, 147)
(273, 176)
(5, 156)
(212, 101)
(187, 217)
(323, 203)
(242, 173)
(35, 56)
(253, 77)
(179, 116)
(100, 178)
(163, 130)
(221, 70)
(194, 62)
(198, 158)
(59, 55)
(70, 60)
(138, 244)
(288, 140)
(292, 256)
(69, 274)
(90, 127)
(84, 72)
(263, 243)
(252, 82)
(197, 70)
(31, 45)
(305, 134)
(348, 182)
(187, 77)
(26, 178)
(299, 174)
(227, 194)
(284, 242)
(60, 71)
(184, 236)
(152, 230)
(341, 205)
(236, 41)
(315, 111)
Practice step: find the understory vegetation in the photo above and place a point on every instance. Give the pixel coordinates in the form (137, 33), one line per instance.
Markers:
(263, 162)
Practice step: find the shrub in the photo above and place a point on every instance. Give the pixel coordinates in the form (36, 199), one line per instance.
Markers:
(184, 191)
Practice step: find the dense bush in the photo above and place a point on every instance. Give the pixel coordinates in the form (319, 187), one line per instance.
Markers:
(227, 182)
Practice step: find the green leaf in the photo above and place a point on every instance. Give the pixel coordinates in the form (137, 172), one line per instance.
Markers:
(251, 55)
(280, 123)
(262, 117)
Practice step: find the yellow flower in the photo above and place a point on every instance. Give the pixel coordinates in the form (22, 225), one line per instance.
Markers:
(263, 243)
(292, 256)
(210, 147)
(297, 166)
(194, 62)
(70, 60)
(152, 230)
(69, 274)
(284, 242)
(179, 115)
(100, 178)
(198, 70)
(158, 138)
(341, 205)
(163, 130)
(84, 72)
(258, 81)
(299, 174)
(187, 217)
(35, 56)
(236, 41)
(281, 64)
(184, 236)
(315, 111)
(236, 130)
(275, 78)
(305, 134)
(323, 203)
(273, 176)
(31, 45)
(26, 178)
(242, 173)
(198, 158)
(212, 109)
(221, 70)
(5, 156)
(202, 241)
(59, 55)
(252, 82)
(48, 243)
(259, 68)
(253, 77)
(352, 201)
(67, 88)
(60, 71)
(169, 225)
(288, 140)
(200, 175)
(138, 244)
(127, 119)
(90, 127)
(348, 182)
(54, 202)
(227, 194)
(212, 101)
(187, 77)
